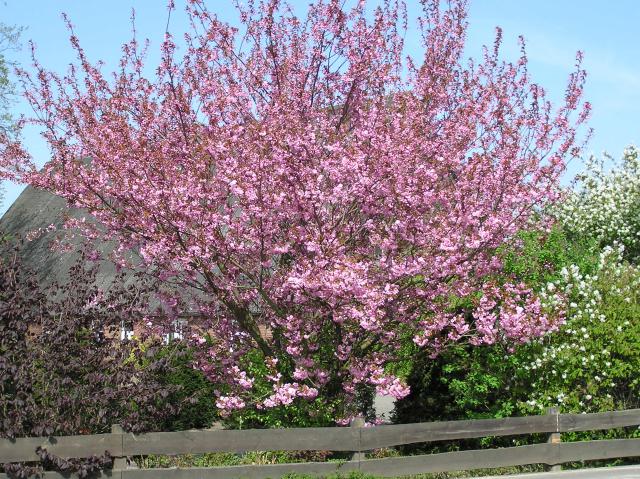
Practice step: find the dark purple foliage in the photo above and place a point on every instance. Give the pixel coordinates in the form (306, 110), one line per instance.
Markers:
(64, 369)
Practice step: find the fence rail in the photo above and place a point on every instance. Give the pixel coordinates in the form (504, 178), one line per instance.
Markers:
(356, 439)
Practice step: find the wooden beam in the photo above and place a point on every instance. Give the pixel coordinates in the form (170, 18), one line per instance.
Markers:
(196, 442)
(24, 449)
(395, 435)
(599, 420)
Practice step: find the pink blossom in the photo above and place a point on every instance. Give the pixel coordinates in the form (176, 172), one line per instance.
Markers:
(228, 403)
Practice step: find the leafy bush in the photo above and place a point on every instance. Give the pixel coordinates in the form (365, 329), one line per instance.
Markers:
(538, 256)
(63, 370)
(466, 382)
(590, 364)
(190, 388)
(298, 412)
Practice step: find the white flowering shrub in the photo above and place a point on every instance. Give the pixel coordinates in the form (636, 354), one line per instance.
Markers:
(605, 204)
(592, 363)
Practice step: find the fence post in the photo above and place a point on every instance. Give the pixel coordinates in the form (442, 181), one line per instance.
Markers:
(555, 437)
(119, 462)
(357, 422)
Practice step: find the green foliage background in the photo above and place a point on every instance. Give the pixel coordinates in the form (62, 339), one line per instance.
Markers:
(591, 364)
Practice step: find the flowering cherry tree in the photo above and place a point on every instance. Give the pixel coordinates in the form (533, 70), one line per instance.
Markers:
(323, 193)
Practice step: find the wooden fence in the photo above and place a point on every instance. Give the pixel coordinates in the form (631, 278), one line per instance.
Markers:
(356, 438)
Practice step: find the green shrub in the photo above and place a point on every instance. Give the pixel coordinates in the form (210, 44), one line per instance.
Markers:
(300, 413)
(194, 392)
(590, 364)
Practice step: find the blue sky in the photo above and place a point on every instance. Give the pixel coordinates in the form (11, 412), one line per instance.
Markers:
(554, 31)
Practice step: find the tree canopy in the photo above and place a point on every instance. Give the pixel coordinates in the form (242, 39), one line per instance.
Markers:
(327, 194)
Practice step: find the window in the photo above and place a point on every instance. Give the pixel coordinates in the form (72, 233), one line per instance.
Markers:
(126, 331)
(177, 332)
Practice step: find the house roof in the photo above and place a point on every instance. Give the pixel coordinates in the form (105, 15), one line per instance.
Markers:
(36, 210)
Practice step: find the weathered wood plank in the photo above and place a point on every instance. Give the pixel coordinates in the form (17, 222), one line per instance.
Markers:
(196, 442)
(600, 420)
(263, 471)
(395, 435)
(604, 449)
(24, 449)
(619, 472)
(397, 466)
(458, 461)
(60, 475)
(511, 456)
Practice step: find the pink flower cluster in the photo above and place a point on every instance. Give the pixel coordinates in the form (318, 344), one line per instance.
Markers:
(387, 385)
(286, 393)
(228, 403)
